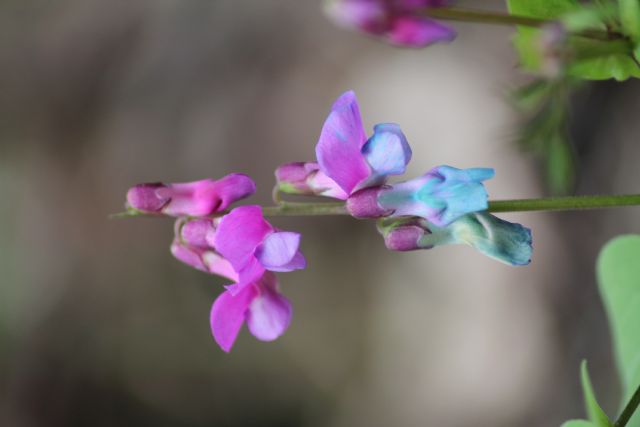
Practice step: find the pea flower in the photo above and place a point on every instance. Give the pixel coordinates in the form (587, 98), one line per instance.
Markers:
(441, 196)
(258, 303)
(504, 241)
(197, 198)
(347, 160)
(253, 246)
(398, 21)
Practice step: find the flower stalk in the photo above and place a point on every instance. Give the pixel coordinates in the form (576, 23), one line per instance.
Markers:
(501, 18)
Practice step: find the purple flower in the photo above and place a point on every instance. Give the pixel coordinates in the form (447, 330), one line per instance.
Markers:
(260, 304)
(253, 246)
(197, 198)
(347, 160)
(398, 21)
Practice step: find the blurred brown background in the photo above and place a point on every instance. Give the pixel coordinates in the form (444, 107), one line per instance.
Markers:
(100, 326)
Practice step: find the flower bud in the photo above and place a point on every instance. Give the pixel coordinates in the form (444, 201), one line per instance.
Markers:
(364, 204)
(306, 178)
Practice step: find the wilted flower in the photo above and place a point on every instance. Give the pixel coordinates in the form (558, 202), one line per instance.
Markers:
(398, 21)
(197, 198)
(501, 240)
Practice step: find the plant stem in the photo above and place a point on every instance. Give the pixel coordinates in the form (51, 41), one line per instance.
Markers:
(305, 209)
(517, 205)
(628, 410)
(501, 18)
(564, 203)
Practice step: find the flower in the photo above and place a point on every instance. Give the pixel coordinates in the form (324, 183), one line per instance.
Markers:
(504, 241)
(197, 198)
(347, 160)
(441, 196)
(252, 246)
(258, 303)
(398, 21)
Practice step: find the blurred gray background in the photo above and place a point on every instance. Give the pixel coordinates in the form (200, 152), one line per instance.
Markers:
(100, 326)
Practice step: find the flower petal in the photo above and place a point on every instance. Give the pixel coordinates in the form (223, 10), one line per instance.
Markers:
(216, 264)
(191, 256)
(270, 312)
(239, 234)
(415, 31)
(234, 187)
(228, 313)
(307, 178)
(387, 152)
(341, 139)
(278, 249)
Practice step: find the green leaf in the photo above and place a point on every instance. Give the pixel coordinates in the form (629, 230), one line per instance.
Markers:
(630, 18)
(594, 411)
(578, 423)
(618, 66)
(618, 271)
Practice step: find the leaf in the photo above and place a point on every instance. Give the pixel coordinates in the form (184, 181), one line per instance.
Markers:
(630, 18)
(541, 9)
(578, 423)
(618, 271)
(594, 411)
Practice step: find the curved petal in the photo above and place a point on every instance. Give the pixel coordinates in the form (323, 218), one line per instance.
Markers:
(195, 232)
(216, 264)
(387, 152)
(341, 139)
(307, 178)
(233, 187)
(269, 313)
(228, 313)
(278, 250)
(188, 255)
(415, 31)
(239, 234)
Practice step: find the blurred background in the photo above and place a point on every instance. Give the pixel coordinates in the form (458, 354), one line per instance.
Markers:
(100, 326)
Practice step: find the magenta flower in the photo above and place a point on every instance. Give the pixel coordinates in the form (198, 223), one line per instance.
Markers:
(197, 198)
(347, 160)
(258, 303)
(398, 21)
(253, 246)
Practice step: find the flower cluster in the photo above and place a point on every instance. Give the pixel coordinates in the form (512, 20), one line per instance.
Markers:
(445, 205)
(240, 246)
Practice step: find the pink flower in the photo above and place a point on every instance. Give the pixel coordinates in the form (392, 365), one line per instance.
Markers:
(259, 302)
(398, 21)
(197, 198)
(253, 246)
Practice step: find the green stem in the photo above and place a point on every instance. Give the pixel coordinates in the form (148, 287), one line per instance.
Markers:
(628, 410)
(305, 209)
(564, 203)
(501, 18)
